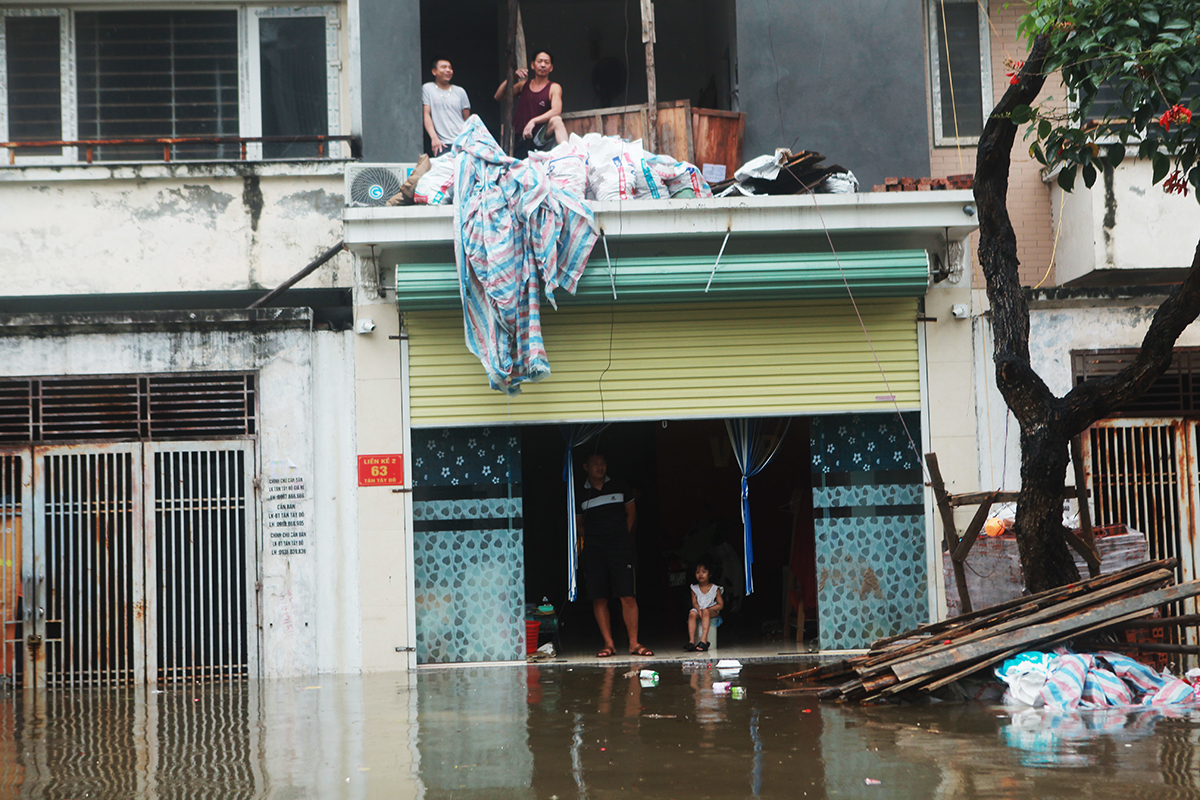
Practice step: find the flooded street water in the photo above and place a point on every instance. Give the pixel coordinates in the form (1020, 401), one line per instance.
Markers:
(572, 732)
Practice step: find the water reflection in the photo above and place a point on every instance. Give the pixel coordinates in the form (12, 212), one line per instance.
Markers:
(573, 733)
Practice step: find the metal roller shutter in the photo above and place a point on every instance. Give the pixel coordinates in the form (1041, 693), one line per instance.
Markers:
(678, 361)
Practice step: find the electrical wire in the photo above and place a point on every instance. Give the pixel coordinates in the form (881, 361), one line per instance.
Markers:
(950, 79)
(1054, 248)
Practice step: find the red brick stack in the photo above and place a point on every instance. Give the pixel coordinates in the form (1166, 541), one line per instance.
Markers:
(925, 184)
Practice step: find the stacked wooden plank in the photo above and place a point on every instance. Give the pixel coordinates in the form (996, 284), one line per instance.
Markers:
(932, 656)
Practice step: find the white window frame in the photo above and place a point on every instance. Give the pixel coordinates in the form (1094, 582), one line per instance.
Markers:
(249, 74)
(933, 9)
(250, 70)
(66, 55)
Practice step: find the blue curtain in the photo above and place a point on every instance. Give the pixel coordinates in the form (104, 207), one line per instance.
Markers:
(574, 435)
(754, 448)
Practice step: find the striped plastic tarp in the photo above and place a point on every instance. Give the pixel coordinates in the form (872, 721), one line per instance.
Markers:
(517, 233)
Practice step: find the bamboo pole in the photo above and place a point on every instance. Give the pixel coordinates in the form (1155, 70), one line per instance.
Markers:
(510, 66)
(651, 75)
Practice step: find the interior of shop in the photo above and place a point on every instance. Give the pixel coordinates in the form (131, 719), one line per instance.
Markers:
(687, 482)
(599, 57)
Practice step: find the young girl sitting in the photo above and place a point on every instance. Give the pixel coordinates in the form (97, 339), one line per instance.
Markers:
(706, 605)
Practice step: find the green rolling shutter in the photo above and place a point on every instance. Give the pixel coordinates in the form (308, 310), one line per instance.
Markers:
(659, 279)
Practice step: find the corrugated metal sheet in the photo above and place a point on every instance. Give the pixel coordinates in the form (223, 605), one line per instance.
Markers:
(677, 361)
(884, 273)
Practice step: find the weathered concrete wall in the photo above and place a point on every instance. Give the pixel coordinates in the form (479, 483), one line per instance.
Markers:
(1123, 222)
(385, 541)
(392, 75)
(96, 230)
(851, 83)
(950, 421)
(308, 603)
(1053, 333)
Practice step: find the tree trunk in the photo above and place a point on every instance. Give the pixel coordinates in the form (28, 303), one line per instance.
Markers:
(1048, 422)
(1046, 561)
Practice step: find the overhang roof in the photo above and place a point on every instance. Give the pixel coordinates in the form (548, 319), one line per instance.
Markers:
(940, 215)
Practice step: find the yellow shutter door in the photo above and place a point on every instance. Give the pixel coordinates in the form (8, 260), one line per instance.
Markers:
(678, 361)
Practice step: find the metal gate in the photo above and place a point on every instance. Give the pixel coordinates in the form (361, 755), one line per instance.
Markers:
(1142, 472)
(199, 620)
(127, 562)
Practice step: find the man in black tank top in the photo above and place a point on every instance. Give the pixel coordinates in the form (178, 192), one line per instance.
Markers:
(605, 513)
(536, 116)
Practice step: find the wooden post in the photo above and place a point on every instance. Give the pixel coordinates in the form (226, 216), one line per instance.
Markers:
(522, 53)
(651, 76)
(1085, 513)
(949, 531)
(510, 66)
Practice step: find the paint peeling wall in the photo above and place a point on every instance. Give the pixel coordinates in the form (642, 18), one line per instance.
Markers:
(98, 230)
(308, 603)
(1122, 222)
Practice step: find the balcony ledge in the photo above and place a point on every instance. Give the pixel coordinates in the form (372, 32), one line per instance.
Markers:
(943, 213)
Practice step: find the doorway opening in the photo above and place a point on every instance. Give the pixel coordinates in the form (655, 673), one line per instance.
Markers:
(838, 531)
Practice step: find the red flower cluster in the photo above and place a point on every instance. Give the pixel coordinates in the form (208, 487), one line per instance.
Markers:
(1176, 114)
(1175, 184)
(1015, 66)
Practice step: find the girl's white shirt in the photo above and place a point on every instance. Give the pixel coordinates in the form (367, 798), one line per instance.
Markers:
(706, 599)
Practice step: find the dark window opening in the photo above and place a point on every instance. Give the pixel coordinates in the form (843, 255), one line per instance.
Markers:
(34, 83)
(960, 70)
(295, 98)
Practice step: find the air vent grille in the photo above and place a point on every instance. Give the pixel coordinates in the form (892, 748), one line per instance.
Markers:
(1173, 393)
(127, 407)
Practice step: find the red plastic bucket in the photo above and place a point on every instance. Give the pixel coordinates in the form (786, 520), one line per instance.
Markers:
(531, 636)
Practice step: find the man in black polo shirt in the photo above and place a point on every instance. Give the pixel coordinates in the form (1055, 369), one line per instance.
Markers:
(604, 515)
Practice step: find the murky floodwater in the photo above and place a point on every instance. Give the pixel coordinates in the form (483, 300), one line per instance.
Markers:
(571, 733)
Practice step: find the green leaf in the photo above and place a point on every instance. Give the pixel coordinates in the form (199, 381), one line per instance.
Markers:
(1021, 114)
(1162, 165)
(1089, 175)
(1150, 15)
(1116, 154)
(1177, 25)
(1044, 128)
(1066, 178)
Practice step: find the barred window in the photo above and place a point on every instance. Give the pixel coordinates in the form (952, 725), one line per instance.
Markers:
(149, 74)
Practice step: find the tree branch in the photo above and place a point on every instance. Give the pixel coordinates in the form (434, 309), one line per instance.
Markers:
(1023, 389)
(1093, 399)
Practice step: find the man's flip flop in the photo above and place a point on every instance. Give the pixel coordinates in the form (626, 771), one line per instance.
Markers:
(606, 652)
(641, 651)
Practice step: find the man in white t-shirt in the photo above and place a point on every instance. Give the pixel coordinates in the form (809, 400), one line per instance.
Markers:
(444, 106)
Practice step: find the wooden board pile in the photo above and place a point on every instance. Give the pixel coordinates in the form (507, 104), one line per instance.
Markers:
(933, 656)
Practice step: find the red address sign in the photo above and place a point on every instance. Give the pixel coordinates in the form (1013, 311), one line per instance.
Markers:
(385, 470)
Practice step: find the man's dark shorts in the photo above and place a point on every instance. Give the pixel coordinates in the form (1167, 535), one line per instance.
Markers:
(522, 147)
(608, 569)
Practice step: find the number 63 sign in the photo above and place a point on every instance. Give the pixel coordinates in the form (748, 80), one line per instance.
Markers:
(381, 470)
